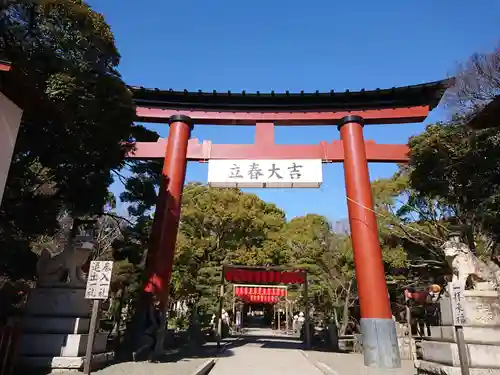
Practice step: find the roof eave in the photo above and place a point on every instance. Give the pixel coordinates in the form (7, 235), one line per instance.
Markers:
(489, 117)
(421, 94)
(5, 66)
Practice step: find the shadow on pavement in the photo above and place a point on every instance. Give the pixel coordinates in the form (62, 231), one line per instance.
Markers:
(280, 340)
(207, 350)
(265, 341)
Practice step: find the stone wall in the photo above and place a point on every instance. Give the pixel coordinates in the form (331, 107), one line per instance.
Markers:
(481, 334)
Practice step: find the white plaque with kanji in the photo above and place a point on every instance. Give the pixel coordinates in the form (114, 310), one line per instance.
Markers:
(281, 173)
(99, 279)
(457, 304)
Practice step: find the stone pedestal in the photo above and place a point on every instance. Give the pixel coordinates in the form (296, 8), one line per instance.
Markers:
(404, 341)
(481, 334)
(56, 329)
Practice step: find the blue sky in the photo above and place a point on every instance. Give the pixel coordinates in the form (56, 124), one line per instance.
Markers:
(297, 45)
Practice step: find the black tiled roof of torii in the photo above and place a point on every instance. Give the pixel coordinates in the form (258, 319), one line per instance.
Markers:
(422, 94)
(488, 117)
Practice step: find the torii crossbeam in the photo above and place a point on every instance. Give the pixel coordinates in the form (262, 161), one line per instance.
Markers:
(265, 148)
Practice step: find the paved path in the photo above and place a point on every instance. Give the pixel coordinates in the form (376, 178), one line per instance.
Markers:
(263, 352)
(182, 367)
(177, 364)
(259, 352)
(352, 364)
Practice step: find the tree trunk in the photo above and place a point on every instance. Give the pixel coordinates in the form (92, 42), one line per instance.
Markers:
(117, 313)
(469, 235)
(335, 317)
(345, 315)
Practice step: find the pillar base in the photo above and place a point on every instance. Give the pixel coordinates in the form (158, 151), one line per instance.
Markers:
(380, 343)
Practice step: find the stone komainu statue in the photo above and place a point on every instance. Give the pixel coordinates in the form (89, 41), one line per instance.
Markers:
(468, 269)
(66, 266)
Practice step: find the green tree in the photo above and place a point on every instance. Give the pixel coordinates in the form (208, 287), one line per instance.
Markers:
(221, 226)
(460, 168)
(412, 228)
(311, 245)
(65, 61)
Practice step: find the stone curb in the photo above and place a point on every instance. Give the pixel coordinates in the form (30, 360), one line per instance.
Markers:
(305, 354)
(325, 369)
(227, 345)
(205, 368)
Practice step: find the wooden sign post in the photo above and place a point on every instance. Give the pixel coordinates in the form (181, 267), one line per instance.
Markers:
(98, 282)
(459, 319)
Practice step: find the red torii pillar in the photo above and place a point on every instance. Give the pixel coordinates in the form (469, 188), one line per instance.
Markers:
(380, 343)
(168, 209)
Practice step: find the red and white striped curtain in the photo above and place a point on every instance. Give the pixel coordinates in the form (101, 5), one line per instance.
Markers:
(260, 294)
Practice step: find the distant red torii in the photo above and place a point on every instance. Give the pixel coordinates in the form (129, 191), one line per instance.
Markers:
(263, 284)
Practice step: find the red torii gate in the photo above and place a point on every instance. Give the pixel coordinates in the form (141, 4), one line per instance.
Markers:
(263, 284)
(258, 294)
(350, 111)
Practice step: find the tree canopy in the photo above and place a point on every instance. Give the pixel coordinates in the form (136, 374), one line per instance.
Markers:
(64, 60)
(457, 166)
(477, 82)
(221, 226)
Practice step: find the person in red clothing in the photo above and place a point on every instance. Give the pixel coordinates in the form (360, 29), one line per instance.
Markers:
(423, 306)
